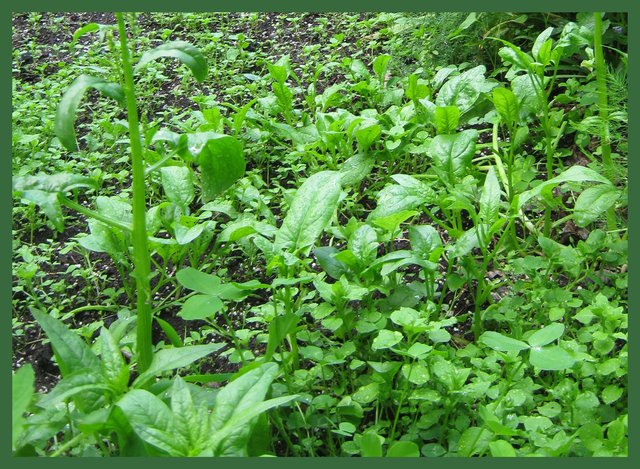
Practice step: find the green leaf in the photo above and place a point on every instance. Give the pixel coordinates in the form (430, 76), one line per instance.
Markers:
(370, 446)
(152, 420)
(181, 50)
(403, 449)
(114, 369)
(473, 440)
(367, 393)
(87, 383)
(170, 332)
(221, 162)
(363, 243)
(380, 65)
(452, 154)
(279, 328)
(502, 343)
(60, 182)
(72, 353)
(21, 395)
(355, 169)
(546, 335)
(200, 307)
(551, 358)
(463, 90)
(310, 212)
(506, 104)
(540, 41)
(50, 205)
(447, 119)
(66, 114)
(408, 194)
(201, 282)
(415, 373)
(367, 136)
(512, 55)
(502, 449)
(575, 173)
(191, 423)
(390, 223)
(177, 182)
(171, 358)
(326, 258)
(386, 339)
(490, 198)
(241, 395)
(424, 240)
(593, 202)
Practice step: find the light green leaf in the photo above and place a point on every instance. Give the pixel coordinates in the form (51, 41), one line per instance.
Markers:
(573, 174)
(152, 420)
(415, 373)
(355, 169)
(490, 198)
(363, 243)
(403, 449)
(386, 339)
(424, 240)
(407, 195)
(171, 358)
(390, 223)
(473, 440)
(367, 136)
(220, 160)
(502, 449)
(506, 104)
(181, 50)
(310, 212)
(370, 446)
(502, 343)
(72, 353)
(551, 358)
(114, 369)
(447, 119)
(463, 90)
(546, 335)
(66, 114)
(83, 381)
(201, 282)
(177, 182)
(593, 202)
(539, 42)
(367, 393)
(200, 307)
(452, 154)
(21, 395)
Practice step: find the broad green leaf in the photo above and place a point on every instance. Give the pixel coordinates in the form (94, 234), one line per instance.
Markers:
(415, 373)
(525, 91)
(21, 395)
(551, 358)
(171, 358)
(181, 50)
(177, 182)
(506, 104)
(467, 242)
(546, 335)
(386, 339)
(201, 282)
(279, 328)
(355, 169)
(370, 446)
(469, 20)
(490, 198)
(502, 343)
(363, 243)
(573, 174)
(452, 154)
(60, 182)
(115, 208)
(190, 421)
(367, 393)
(408, 194)
(380, 65)
(593, 202)
(72, 353)
(221, 164)
(512, 55)
(240, 395)
(539, 42)
(447, 119)
(152, 420)
(326, 258)
(424, 240)
(66, 114)
(200, 307)
(184, 234)
(417, 88)
(104, 239)
(49, 203)
(83, 381)
(502, 449)
(473, 440)
(463, 90)
(310, 212)
(114, 369)
(403, 449)
(367, 136)
(390, 223)
(170, 332)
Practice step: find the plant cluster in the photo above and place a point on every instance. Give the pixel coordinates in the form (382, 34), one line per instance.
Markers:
(381, 263)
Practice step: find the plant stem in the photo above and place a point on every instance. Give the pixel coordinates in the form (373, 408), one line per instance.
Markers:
(142, 259)
(93, 214)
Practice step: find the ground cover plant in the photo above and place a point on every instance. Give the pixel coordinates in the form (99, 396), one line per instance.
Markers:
(258, 234)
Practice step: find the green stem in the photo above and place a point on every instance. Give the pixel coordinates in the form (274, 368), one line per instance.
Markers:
(96, 215)
(142, 259)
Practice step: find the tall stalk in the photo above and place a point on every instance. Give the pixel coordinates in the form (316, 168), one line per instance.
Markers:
(603, 108)
(141, 257)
